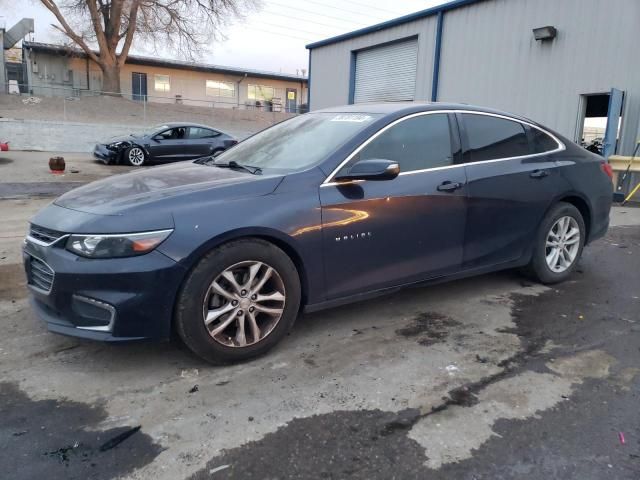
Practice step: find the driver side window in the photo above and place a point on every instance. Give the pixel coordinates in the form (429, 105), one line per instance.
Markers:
(415, 144)
(177, 133)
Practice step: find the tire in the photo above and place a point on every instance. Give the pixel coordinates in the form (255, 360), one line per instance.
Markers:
(135, 156)
(542, 269)
(238, 257)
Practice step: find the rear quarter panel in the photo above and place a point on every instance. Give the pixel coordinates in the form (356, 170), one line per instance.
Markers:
(583, 172)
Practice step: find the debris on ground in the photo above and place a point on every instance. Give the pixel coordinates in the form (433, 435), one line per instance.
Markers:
(62, 454)
(194, 389)
(118, 439)
(463, 397)
(217, 469)
(621, 438)
(31, 100)
(189, 372)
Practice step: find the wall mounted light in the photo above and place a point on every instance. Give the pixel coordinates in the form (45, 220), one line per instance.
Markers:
(545, 33)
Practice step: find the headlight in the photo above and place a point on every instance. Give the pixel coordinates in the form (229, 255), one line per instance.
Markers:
(115, 145)
(116, 245)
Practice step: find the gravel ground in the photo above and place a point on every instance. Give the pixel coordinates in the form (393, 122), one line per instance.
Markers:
(487, 378)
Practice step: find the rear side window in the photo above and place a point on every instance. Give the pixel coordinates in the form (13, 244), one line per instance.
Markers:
(416, 144)
(198, 132)
(540, 141)
(492, 138)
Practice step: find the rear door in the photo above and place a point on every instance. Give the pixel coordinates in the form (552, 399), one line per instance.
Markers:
(378, 234)
(170, 145)
(201, 141)
(512, 179)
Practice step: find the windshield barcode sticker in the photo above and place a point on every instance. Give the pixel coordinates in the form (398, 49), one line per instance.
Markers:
(352, 117)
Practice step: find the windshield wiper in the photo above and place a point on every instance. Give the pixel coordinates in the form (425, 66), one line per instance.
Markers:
(238, 166)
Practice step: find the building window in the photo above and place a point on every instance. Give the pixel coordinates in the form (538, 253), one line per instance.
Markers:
(162, 83)
(261, 93)
(220, 89)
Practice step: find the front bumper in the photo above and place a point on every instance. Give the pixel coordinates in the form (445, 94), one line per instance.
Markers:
(102, 153)
(118, 299)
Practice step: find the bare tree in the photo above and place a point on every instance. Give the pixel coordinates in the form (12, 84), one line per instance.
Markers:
(184, 26)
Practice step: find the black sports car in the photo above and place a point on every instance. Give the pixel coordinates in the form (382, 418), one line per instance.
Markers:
(169, 142)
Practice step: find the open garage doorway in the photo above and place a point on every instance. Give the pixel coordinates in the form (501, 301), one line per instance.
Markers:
(600, 121)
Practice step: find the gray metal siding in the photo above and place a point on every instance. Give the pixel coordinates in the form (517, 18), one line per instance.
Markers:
(331, 64)
(386, 73)
(489, 57)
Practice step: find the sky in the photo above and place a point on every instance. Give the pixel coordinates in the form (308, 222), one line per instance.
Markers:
(271, 39)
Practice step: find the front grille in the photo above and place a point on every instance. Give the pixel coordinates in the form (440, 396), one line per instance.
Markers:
(44, 234)
(40, 274)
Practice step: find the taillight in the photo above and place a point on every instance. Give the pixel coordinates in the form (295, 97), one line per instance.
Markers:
(608, 169)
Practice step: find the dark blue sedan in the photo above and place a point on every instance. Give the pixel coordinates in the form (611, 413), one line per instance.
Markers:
(326, 208)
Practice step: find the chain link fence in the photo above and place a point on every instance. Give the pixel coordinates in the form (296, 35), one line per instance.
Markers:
(68, 104)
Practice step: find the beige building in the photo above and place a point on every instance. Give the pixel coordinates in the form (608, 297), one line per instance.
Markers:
(54, 70)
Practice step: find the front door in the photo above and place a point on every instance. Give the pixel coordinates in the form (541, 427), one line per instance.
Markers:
(378, 234)
(170, 145)
(292, 100)
(139, 86)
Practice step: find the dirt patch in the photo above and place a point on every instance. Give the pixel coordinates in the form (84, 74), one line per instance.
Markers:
(12, 282)
(429, 328)
(4, 161)
(36, 189)
(334, 445)
(60, 439)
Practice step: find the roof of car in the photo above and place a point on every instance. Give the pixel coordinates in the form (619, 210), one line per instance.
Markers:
(387, 108)
(185, 124)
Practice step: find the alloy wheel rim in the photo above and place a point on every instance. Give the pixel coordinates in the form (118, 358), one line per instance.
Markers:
(244, 304)
(563, 244)
(136, 156)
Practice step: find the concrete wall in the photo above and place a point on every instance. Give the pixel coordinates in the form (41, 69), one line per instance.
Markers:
(489, 57)
(57, 136)
(331, 65)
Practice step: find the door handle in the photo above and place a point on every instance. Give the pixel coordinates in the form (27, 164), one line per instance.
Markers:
(539, 174)
(449, 186)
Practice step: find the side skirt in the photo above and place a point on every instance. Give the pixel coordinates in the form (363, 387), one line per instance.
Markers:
(337, 302)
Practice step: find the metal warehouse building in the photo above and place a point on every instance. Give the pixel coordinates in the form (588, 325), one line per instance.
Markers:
(554, 61)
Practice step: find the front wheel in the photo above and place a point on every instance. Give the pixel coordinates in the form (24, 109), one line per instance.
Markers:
(559, 243)
(135, 156)
(238, 302)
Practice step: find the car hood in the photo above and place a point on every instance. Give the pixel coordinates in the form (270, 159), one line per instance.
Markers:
(184, 181)
(120, 138)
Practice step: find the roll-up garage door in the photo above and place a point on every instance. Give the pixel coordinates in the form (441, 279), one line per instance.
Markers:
(386, 73)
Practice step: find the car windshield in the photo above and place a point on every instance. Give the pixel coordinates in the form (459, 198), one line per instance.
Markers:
(153, 130)
(298, 143)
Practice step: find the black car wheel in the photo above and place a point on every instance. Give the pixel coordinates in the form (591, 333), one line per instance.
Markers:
(238, 302)
(559, 243)
(135, 156)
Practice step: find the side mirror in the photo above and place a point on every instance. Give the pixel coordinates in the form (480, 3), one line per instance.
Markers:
(371, 169)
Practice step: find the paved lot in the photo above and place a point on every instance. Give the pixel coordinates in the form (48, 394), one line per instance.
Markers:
(487, 378)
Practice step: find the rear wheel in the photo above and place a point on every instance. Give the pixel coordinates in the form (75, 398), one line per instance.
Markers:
(238, 302)
(135, 156)
(559, 244)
